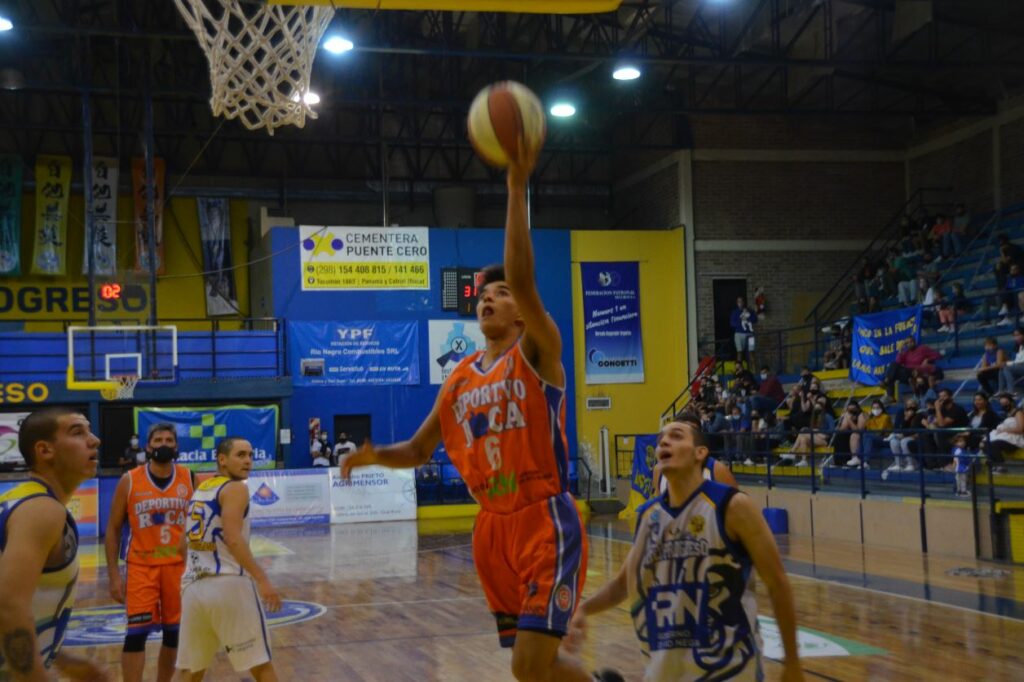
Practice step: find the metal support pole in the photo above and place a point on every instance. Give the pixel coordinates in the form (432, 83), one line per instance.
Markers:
(606, 487)
(148, 151)
(90, 220)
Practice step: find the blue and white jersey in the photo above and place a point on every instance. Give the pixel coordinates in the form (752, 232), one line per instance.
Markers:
(691, 591)
(204, 527)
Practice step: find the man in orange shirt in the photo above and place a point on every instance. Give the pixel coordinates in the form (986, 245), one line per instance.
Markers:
(501, 414)
(153, 500)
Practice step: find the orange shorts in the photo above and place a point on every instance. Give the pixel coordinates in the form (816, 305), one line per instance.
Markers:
(532, 564)
(153, 596)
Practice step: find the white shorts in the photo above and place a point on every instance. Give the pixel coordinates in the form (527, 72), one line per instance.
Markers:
(222, 613)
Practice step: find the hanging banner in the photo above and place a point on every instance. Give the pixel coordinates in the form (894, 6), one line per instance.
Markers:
(10, 214)
(83, 505)
(354, 353)
(611, 323)
(450, 341)
(199, 429)
(334, 258)
(373, 494)
(139, 204)
(289, 497)
(877, 339)
(10, 425)
(53, 185)
(104, 219)
(641, 479)
(215, 231)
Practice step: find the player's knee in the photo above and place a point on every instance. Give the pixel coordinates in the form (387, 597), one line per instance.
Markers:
(135, 642)
(528, 667)
(264, 672)
(171, 638)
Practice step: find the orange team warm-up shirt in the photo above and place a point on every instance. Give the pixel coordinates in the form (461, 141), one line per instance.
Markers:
(156, 518)
(504, 430)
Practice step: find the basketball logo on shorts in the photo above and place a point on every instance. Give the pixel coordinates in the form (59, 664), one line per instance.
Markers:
(563, 597)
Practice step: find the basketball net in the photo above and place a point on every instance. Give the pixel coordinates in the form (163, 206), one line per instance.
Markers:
(260, 56)
(124, 389)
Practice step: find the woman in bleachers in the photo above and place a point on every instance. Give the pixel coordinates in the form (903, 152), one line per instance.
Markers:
(1008, 435)
(905, 444)
(848, 434)
(981, 417)
(993, 359)
(818, 431)
(876, 430)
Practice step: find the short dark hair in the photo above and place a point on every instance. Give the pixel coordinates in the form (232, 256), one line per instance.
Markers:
(40, 425)
(948, 391)
(226, 444)
(696, 432)
(158, 427)
(495, 272)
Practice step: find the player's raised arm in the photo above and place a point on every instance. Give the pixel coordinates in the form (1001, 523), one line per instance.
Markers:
(33, 530)
(404, 455)
(743, 522)
(542, 342)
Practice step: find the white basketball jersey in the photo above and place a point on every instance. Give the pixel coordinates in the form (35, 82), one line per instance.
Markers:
(207, 553)
(694, 608)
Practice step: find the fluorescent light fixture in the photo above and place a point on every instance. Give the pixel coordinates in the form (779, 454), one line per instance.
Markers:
(5, 24)
(336, 44)
(626, 73)
(562, 110)
(310, 98)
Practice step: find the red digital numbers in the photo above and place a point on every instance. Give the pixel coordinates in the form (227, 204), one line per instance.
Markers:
(110, 292)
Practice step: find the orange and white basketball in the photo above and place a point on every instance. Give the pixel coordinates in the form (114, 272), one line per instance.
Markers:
(499, 115)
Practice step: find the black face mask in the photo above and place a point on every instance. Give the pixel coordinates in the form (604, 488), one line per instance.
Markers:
(164, 454)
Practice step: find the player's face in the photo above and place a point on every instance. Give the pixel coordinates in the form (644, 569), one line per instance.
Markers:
(75, 448)
(161, 438)
(496, 309)
(677, 452)
(238, 463)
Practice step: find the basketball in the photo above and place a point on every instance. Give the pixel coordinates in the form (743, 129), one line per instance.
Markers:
(499, 115)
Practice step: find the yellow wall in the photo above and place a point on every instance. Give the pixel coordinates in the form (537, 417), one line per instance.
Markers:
(635, 407)
(177, 297)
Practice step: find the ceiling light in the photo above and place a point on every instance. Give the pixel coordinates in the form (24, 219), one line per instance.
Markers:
(6, 24)
(562, 110)
(337, 45)
(626, 73)
(310, 98)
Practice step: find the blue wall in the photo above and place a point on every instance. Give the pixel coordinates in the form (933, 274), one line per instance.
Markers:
(398, 410)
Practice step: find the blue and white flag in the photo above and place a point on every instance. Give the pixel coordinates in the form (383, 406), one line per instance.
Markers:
(877, 339)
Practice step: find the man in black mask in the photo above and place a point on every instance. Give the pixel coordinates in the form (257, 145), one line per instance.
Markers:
(153, 501)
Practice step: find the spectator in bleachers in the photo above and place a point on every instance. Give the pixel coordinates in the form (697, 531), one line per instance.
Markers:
(800, 405)
(961, 463)
(905, 444)
(948, 415)
(760, 429)
(961, 221)
(769, 394)
(738, 435)
(742, 321)
(903, 275)
(1013, 295)
(806, 376)
(1013, 370)
(912, 358)
(1009, 253)
(818, 431)
(876, 429)
(944, 311)
(993, 359)
(834, 355)
(1009, 435)
(848, 434)
(949, 242)
(981, 417)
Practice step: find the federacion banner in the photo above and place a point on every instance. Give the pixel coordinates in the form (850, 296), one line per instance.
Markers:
(611, 323)
(139, 204)
(199, 429)
(10, 214)
(373, 494)
(354, 353)
(876, 341)
(53, 185)
(364, 257)
(215, 231)
(104, 219)
(449, 342)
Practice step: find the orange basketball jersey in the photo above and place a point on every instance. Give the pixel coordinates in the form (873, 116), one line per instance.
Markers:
(156, 517)
(504, 430)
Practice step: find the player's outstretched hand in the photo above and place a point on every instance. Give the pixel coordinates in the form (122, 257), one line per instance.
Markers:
(116, 587)
(271, 599)
(364, 456)
(577, 632)
(520, 167)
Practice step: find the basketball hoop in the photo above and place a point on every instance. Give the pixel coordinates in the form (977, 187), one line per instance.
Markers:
(123, 388)
(260, 56)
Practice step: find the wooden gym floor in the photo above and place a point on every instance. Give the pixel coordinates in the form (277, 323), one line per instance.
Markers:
(400, 601)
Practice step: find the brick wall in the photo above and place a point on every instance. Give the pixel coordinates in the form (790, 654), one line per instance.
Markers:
(789, 200)
(1012, 158)
(652, 203)
(792, 132)
(965, 166)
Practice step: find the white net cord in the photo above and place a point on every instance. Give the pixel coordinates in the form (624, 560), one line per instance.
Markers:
(261, 58)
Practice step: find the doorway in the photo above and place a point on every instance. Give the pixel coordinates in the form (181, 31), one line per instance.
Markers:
(725, 292)
(357, 426)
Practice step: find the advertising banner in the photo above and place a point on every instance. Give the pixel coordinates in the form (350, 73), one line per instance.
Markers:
(354, 353)
(449, 342)
(104, 219)
(199, 430)
(10, 424)
(53, 185)
(611, 323)
(333, 258)
(373, 494)
(288, 497)
(877, 339)
(141, 225)
(83, 505)
(218, 266)
(10, 214)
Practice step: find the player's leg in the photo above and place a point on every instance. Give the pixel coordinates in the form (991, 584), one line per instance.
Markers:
(197, 640)
(499, 582)
(236, 614)
(170, 618)
(142, 598)
(264, 673)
